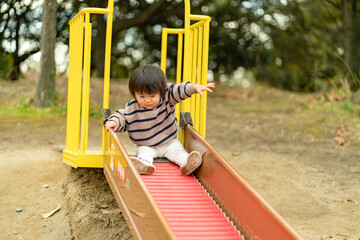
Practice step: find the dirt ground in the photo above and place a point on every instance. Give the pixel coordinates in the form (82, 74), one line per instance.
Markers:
(287, 146)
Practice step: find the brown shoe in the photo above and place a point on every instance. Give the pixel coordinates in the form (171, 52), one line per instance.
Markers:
(193, 161)
(143, 166)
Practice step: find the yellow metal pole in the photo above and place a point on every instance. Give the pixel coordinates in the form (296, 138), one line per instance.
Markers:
(199, 68)
(75, 78)
(179, 62)
(199, 17)
(87, 89)
(76, 99)
(89, 10)
(185, 105)
(107, 64)
(78, 78)
(187, 57)
(70, 89)
(179, 58)
(178, 72)
(193, 50)
(204, 77)
(164, 49)
(86, 85)
(70, 130)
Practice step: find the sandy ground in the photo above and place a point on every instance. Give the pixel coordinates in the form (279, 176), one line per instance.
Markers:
(270, 137)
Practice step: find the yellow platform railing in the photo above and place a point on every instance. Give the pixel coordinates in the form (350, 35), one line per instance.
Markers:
(193, 44)
(76, 152)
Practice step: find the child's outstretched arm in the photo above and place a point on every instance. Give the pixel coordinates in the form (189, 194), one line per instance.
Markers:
(200, 88)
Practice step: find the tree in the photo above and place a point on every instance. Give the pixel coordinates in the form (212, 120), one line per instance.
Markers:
(289, 43)
(19, 35)
(45, 91)
(140, 16)
(351, 33)
(303, 38)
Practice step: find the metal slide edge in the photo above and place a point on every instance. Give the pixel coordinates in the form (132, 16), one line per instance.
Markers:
(143, 216)
(250, 213)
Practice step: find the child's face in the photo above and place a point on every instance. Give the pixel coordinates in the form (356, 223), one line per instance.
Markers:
(148, 101)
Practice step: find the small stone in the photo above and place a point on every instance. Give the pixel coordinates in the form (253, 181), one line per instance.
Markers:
(18, 209)
(46, 186)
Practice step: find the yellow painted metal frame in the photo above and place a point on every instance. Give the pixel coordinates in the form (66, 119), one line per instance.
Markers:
(194, 66)
(193, 44)
(76, 153)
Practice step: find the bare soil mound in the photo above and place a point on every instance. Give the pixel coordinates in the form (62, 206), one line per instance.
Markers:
(93, 211)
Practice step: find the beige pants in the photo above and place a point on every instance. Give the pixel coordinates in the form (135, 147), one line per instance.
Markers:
(173, 151)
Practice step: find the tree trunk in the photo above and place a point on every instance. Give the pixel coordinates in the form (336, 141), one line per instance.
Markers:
(351, 49)
(100, 45)
(15, 73)
(45, 90)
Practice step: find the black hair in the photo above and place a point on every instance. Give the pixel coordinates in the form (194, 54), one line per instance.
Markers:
(147, 79)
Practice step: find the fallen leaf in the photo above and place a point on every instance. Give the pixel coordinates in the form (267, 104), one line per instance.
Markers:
(105, 205)
(109, 211)
(49, 214)
(347, 134)
(339, 141)
(236, 154)
(327, 237)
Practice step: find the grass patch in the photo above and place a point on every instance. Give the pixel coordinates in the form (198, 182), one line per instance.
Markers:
(27, 108)
(320, 120)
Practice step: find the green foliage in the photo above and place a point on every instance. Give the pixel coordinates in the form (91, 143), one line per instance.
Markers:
(19, 21)
(293, 78)
(349, 101)
(304, 43)
(119, 71)
(295, 45)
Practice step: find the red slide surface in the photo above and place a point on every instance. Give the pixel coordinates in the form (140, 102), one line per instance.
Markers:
(190, 211)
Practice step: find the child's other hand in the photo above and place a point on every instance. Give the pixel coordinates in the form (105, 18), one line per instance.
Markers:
(110, 124)
(200, 88)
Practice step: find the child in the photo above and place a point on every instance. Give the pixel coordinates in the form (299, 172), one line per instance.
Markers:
(150, 121)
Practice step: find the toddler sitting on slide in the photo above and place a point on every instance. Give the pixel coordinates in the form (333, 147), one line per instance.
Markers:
(150, 119)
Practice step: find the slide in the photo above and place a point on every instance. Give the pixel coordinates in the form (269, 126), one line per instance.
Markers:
(213, 203)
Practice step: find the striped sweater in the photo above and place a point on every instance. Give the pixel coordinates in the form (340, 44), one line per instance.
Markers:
(153, 127)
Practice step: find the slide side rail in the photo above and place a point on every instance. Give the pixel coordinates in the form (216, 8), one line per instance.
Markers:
(249, 212)
(142, 214)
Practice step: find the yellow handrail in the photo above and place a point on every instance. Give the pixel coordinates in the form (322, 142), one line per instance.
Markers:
(76, 153)
(193, 66)
(90, 11)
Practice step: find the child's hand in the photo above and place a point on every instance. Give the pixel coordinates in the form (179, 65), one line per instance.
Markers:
(110, 124)
(200, 88)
